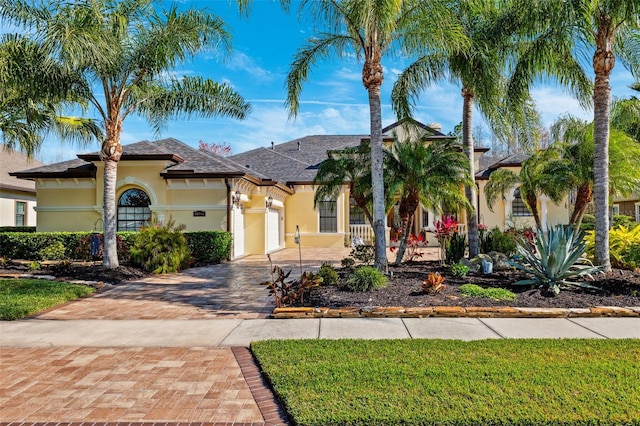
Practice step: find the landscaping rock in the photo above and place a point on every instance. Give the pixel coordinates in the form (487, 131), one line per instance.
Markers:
(500, 261)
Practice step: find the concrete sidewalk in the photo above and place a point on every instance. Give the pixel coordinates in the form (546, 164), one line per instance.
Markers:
(241, 332)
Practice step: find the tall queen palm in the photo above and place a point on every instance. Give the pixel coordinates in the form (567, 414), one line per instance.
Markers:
(478, 66)
(556, 36)
(371, 29)
(122, 50)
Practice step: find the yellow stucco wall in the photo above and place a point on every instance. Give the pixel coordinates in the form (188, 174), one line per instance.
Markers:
(300, 212)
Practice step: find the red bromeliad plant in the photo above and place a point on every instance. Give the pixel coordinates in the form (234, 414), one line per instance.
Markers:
(445, 229)
(414, 243)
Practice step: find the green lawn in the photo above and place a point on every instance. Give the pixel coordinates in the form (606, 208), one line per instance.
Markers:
(446, 382)
(23, 297)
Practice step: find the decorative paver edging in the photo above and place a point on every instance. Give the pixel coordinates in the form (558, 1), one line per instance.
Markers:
(456, 311)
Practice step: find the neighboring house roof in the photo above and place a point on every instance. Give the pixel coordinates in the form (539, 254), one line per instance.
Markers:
(12, 161)
(514, 160)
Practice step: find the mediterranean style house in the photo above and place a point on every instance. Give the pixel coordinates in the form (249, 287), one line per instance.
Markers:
(264, 197)
(17, 196)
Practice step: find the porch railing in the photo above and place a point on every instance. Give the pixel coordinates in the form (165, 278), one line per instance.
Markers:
(364, 233)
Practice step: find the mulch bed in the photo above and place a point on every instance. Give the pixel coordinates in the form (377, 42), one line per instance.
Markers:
(85, 271)
(620, 288)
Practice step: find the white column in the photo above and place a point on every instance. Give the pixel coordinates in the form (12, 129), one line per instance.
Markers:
(544, 212)
(507, 211)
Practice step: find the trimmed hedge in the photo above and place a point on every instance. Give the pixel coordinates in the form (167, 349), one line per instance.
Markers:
(17, 229)
(207, 247)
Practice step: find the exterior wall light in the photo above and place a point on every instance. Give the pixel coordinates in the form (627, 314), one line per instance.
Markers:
(268, 202)
(236, 198)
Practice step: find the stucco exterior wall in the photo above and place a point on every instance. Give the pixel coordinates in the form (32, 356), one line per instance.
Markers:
(8, 200)
(300, 212)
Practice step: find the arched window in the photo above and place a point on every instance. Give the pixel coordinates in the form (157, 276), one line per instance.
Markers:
(133, 210)
(518, 207)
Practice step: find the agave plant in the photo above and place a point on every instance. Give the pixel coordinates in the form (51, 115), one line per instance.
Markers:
(553, 259)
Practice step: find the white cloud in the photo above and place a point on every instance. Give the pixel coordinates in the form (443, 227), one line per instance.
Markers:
(242, 62)
(552, 102)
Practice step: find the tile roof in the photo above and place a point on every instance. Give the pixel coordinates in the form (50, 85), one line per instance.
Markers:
(514, 160)
(12, 161)
(295, 161)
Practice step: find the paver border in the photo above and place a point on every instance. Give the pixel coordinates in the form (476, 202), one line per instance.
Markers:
(454, 311)
(268, 404)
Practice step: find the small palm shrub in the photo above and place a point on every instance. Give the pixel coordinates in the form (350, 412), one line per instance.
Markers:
(161, 248)
(328, 274)
(366, 278)
(433, 284)
(554, 259)
(459, 270)
(54, 251)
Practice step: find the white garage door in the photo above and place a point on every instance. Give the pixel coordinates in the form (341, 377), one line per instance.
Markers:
(273, 230)
(238, 232)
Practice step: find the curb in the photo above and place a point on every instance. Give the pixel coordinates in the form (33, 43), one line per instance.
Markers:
(456, 311)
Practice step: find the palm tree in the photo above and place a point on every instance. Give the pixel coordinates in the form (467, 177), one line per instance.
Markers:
(625, 114)
(371, 29)
(431, 175)
(346, 166)
(479, 68)
(530, 181)
(34, 89)
(572, 167)
(121, 50)
(555, 36)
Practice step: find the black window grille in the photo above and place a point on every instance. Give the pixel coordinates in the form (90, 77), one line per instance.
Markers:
(133, 210)
(328, 216)
(356, 215)
(518, 207)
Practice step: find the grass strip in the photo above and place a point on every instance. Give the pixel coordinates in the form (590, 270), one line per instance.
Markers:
(495, 293)
(450, 382)
(23, 297)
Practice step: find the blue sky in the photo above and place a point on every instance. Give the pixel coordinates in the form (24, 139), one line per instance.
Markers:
(333, 100)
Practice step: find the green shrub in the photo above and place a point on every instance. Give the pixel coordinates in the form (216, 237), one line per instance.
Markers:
(83, 251)
(348, 262)
(17, 229)
(624, 246)
(459, 270)
(366, 278)
(497, 240)
(54, 251)
(622, 220)
(328, 274)
(474, 290)
(588, 222)
(363, 253)
(161, 248)
(35, 266)
(209, 247)
(27, 245)
(456, 245)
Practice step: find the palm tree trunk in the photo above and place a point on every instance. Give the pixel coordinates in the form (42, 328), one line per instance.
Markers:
(583, 198)
(406, 221)
(111, 153)
(372, 80)
(603, 63)
(532, 202)
(470, 190)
